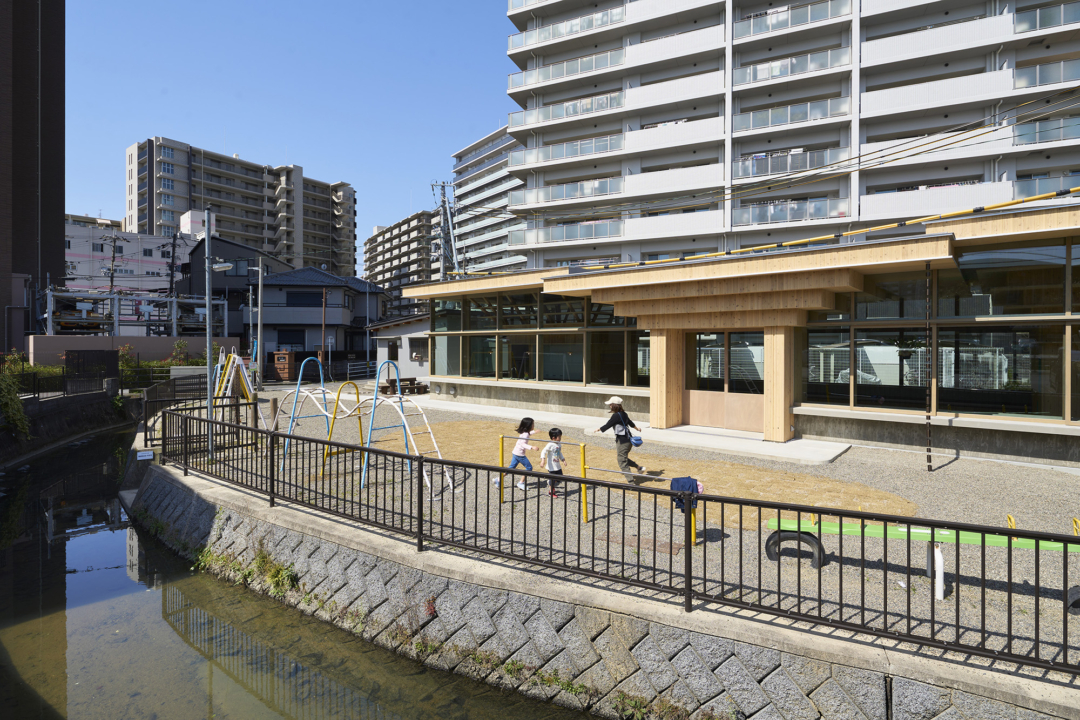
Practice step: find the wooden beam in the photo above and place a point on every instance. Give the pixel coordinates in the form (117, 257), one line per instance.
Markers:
(779, 356)
(724, 321)
(667, 366)
(529, 279)
(797, 300)
(839, 280)
(879, 257)
(1012, 226)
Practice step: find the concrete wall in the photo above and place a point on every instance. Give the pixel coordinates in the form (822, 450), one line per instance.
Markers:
(48, 349)
(54, 419)
(406, 336)
(539, 396)
(445, 610)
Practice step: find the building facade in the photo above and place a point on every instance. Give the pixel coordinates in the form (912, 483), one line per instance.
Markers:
(482, 187)
(99, 257)
(399, 255)
(657, 129)
(32, 37)
(307, 222)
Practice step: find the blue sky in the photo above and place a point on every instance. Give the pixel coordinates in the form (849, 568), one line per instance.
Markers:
(379, 94)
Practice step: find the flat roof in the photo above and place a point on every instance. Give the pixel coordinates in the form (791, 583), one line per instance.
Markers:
(501, 131)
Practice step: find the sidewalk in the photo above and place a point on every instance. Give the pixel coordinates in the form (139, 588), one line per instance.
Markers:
(728, 442)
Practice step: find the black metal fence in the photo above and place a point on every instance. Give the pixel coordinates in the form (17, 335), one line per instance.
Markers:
(92, 362)
(140, 378)
(183, 390)
(991, 592)
(47, 386)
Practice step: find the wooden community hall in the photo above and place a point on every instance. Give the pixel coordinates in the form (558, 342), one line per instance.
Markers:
(837, 340)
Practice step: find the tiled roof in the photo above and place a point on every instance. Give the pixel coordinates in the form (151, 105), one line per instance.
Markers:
(314, 277)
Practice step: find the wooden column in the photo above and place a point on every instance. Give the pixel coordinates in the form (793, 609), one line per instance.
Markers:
(779, 383)
(666, 382)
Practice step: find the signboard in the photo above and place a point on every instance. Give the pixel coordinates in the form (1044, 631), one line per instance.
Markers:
(329, 341)
(146, 309)
(84, 306)
(146, 454)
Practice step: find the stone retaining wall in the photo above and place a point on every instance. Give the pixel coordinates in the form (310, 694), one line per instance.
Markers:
(562, 641)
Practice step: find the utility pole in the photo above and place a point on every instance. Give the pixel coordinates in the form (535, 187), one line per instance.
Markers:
(172, 265)
(258, 336)
(322, 341)
(448, 243)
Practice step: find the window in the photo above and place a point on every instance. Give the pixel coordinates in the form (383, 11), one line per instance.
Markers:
(97, 247)
(240, 269)
(447, 349)
(560, 311)
(658, 256)
(148, 252)
(67, 244)
(479, 360)
(518, 311)
(290, 339)
(481, 312)
(826, 362)
(392, 349)
(705, 361)
(166, 231)
(640, 360)
(890, 368)
(167, 184)
(517, 357)
(603, 315)
(166, 152)
(303, 299)
(607, 358)
(746, 363)
(168, 215)
(168, 168)
(167, 200)
(1009, 279)
(899, 295)
(166, 253)
(119, 249)
(562, 357)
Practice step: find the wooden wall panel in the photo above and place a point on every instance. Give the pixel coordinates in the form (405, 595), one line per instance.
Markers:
(705, 408)
(794, 300)
(779, 383)
(666, 377)
(842, 280)
(744, 411)
(723, 321)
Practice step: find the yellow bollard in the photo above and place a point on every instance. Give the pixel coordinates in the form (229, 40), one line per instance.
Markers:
(1076, 526)
(584, 489)
(693, 526)
(1011, 522)
(502, 463)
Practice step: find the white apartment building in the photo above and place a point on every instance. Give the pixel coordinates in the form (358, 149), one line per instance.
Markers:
(669, 128)
(399, 255)
(482, 186)
(97, 255)
(279, 210)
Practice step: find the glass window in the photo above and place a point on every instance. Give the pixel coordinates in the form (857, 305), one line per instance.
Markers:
(167, 168)
(167, 184)
(563, 311)
(1001, 370)
(826, 367)
(482, 311)
(148, 252)
(639, 358)
(899, 295)
(1010, 279)
(447, 349)
(1076, 272)
(240, 269)
(607, 358)
(1075, 371)
(97, 247)
(303, 299)
(602, 315)
(517, 357)
(517, 311)
(705, 361)
(562, 357)
(746, 360)
(166, 199)
(166, 152)
(480, 356)
(890, 368)
(168, 216)
(447, 316)
(842, 311)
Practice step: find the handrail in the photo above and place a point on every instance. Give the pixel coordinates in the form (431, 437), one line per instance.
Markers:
(573, 26)
(566, 68)
(791, 17)
(795, 65)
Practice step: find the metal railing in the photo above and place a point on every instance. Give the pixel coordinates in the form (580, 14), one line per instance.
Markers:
(787, 114)
(1047, 17)
(1047, 74)
(584, 106)
(993, 592)
(46, 386)
(569, 191)
(796, 65)
(790, 211)
(576, 231)
(1038, 186)
(571, 149)
(1052, 130)
(792, 17)
(185, 389)
(787, 162)
(599, 61)
(140, 378)
(573, 26)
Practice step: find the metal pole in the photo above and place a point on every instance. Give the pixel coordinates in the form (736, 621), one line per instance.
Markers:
(322, 339)
(929, 350)
(420, 503)
(259, 336)
(688, 546)
(209, 340)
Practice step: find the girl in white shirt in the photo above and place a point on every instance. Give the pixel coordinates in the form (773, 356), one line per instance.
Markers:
(526, 429)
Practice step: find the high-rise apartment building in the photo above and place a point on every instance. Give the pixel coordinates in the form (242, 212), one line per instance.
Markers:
(307, 222)
(482, 186)
(399, 255)
(668, 128)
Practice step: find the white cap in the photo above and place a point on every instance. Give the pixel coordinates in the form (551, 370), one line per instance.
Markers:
(613, 400)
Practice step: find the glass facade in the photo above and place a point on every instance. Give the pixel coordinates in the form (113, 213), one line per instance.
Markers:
(447, 354)
(638, 373)
(1011, 279)
(562, 357)
(1075, 373)
(895, 296)
(517, 357)
(746, 363)
(560, 311)
(481, 312)
(446, 315)
(479, 360)
(826, 368)
(890, 368)
(607, 358)
(705, 359)
(1003, 369)
(601, 315)
(517, 311)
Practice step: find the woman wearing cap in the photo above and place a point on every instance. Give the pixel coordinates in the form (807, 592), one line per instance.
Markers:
(622, 423)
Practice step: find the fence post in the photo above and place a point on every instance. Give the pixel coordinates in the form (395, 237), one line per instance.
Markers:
(420, 504)
(273, 465)
(688, 570)
(187, 435)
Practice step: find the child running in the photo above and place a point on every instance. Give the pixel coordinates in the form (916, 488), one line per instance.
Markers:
(526, 429)
(552, 458)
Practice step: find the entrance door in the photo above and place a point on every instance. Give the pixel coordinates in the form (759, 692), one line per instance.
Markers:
(725, 380)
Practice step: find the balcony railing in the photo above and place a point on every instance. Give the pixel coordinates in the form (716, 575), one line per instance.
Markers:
(801, 112)
(788, 162)
(579, 231)
(1043, 131)
(569, 191)
(792, 17)
(481, 151)
(142, 185)
(572, 26)
(577, 148)
(1047, 17)
(584, 106)
(1030, 188)
(599, 61)
(1055, 72)
(797, 65)
(791, 211)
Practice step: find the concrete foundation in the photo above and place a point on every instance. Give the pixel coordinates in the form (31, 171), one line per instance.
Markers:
(540, 396)
(572, 642)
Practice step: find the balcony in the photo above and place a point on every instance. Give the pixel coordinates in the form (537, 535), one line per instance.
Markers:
(142, 217)
(569, 191)
(675, 225)
(673, 181)
(793, 211)
(797, 65)
(791, 17)
(1047, 17)
(935, 148)
(1047, 74)
(1023, 189)
(565, 28)
(943, 39)
(972, 89)
(142, 154)
(562, 233)
(930, 200)
(480, 152)
(142, 185)
(584, 106)
(1043, 131)
(787, 162)
(567, 68)
(792, 114)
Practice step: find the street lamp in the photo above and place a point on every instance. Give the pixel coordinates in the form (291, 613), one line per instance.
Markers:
(259, 354)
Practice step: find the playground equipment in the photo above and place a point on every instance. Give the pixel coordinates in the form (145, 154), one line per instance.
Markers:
(502, 463)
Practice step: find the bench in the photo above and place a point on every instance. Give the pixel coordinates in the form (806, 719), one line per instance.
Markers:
(806, 532)
(409, 386)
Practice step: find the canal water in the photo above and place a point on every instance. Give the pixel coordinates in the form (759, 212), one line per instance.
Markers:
(99, 621)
